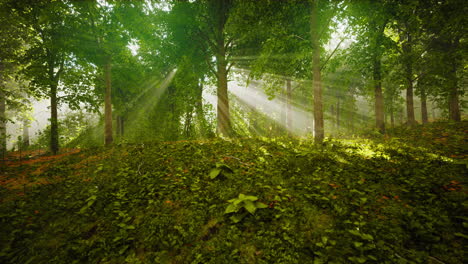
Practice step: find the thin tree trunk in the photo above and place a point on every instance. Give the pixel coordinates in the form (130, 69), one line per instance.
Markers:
(289, 116)
(379, 102)
(25, 134)
(407, 50)
(3, 139)
(117, 128)
(54, 137)
(108, 104)
(424, 116)
(224, 119)
(317, 82)
(454, 106)
(120, 126)
(392, 118)
(338, 113)
(410, 103)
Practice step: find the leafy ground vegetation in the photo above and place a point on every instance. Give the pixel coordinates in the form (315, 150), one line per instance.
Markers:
(394, 199)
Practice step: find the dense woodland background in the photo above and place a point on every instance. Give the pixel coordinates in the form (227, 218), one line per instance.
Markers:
(146, 68)
(233, 131)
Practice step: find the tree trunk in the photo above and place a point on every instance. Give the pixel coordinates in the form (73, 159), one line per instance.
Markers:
(408, 64)
(454, 107)
(289, 116)
(379, 102)
(338, 113)
(117, 127)
(107, 104)
(453, 101)
(120, 126)
(424, 117)
(224, 119)
(3, 142)
(54, 137)
(25, 134)
(392, 118)
(410, 103)
(317, 82)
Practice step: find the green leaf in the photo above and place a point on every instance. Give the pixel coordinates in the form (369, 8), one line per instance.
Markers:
(215, 173)
(251, 198)
(367, 237)
(231, 209)
(358, 244)
(249, 205)
(261, 205)
(461, 235)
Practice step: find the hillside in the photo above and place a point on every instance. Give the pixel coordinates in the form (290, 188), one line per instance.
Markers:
(394, 199)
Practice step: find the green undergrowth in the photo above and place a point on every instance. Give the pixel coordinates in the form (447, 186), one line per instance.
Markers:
(243, 201)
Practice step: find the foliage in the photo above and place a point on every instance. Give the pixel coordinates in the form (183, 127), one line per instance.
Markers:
(348, 201)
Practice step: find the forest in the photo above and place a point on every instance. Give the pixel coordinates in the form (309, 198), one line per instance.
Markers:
(233, 131)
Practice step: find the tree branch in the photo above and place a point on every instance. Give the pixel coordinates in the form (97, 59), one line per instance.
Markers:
(331, 54)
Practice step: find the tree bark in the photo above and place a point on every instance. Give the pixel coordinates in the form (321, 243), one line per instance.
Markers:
(316, 83)
(453, 101)
(408, 64)
(3, 139)
(54, 137)
(289, 117)
(455, 63)
(25, 134)
(224, 118)
(338, 113)
(392, 118)
(424, 116)
(379, 102)
(108, 104)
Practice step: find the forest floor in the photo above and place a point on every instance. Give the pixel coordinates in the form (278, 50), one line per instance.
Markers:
(398, 198)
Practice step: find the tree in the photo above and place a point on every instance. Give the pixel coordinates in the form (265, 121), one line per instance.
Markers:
(101, 35)
(46, 56)
(370, 19)
(447, 43)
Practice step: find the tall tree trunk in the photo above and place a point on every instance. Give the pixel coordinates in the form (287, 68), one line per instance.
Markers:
(408, 64)
(453, 101)
(338, 113)
(3, 134)
(424, 116)
(117, 127)
(3, 141)
(289, 116)
(379, 102)
(54, 137)
(410, 103)
(120, 126)
(317, 82)
(25, 134)
(107, 104)
(392, 117)
(224, 119)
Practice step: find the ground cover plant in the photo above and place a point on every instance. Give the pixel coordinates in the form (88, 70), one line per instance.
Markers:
(259, 200)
